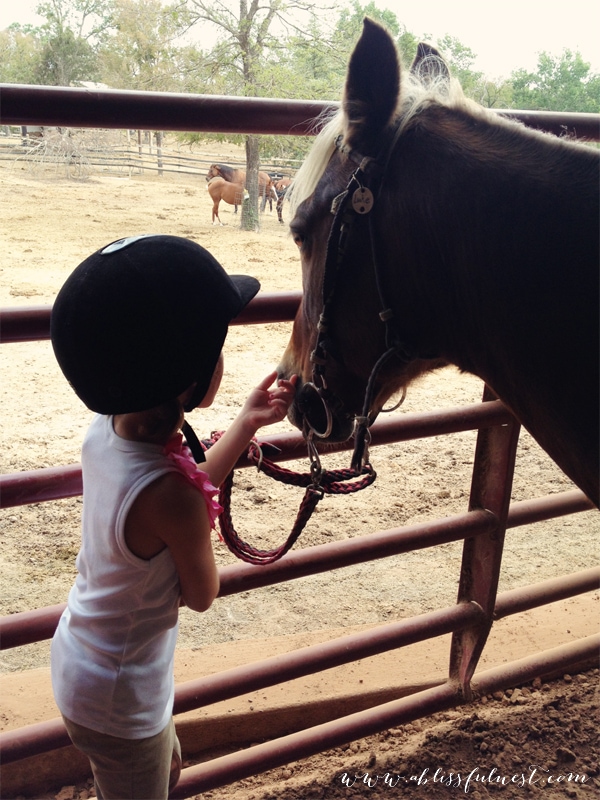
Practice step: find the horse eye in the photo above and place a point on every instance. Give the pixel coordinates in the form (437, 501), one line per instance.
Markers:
(298, 239)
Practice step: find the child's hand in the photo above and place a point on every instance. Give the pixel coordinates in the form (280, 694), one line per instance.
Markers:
(265, 405)
(268, 404)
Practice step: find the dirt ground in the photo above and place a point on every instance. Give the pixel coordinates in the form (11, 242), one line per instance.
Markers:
(48, 226)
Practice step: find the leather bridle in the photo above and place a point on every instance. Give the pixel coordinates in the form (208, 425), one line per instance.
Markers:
(357, 200)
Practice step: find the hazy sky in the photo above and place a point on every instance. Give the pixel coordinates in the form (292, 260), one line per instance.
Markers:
(509, 34)
(505, 35)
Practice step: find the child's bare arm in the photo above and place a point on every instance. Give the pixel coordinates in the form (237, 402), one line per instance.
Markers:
(172, 512)
(266, 405)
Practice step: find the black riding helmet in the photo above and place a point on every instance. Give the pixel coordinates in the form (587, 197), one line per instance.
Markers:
(141, 320)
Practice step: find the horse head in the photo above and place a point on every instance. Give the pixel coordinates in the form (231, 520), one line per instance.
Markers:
(433, 231)
(214, 171)
(337, 335)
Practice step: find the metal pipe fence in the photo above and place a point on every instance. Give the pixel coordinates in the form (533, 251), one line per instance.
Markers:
(482, 527)
(164, 111)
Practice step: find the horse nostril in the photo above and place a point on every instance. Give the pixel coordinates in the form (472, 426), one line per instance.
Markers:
(312, 406)
(304, 395)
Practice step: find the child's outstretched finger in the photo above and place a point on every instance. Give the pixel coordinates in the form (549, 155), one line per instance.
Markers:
(267, 381)
(287, 386)
(284, 392)
(282, 389)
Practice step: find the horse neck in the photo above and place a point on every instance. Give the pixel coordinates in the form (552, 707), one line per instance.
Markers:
(227, 172)
(466, 145)
(475, 204)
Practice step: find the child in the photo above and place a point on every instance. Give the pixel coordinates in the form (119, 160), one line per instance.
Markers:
(138, 330)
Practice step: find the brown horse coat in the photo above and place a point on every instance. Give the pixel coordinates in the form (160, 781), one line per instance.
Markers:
(265, 184)
(220, 189)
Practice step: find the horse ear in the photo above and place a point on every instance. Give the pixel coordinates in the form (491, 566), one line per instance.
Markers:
(429, 64)
(372, 87)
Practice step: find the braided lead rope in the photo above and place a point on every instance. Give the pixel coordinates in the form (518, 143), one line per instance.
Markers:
(253, 555)
(317, 482)
(330, 481)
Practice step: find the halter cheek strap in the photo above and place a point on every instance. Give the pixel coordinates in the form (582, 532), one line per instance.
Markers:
(357, 200)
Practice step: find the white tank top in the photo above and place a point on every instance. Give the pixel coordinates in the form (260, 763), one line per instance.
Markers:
(112, 653)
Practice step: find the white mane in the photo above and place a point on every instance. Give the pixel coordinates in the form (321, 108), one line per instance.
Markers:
(313, 166)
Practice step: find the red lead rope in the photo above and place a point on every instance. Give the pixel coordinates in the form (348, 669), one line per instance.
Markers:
(317, 482)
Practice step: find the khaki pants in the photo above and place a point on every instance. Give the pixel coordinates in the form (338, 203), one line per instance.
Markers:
(130, 769)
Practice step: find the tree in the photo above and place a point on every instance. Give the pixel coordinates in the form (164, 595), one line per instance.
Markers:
(561, 83)
(460, 59)
(246, 39)
(19, 54)
(143, 53)
(66, 60)
(88, 19)
(349, 28)
(69, 36)
(493, 94)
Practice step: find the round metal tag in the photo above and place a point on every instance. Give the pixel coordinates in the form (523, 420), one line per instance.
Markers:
(362, 200)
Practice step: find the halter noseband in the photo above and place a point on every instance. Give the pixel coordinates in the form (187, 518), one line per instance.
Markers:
(357, 200)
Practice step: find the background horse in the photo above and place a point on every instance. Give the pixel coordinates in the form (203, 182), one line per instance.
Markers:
(266, 190)
(281, 187)
(473, 238)
(232, 193)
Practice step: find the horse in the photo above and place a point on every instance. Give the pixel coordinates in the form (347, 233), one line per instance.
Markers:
(272, 195)
(232, 193)
(265, 185)
(281, 187)
(455, 237)
(276, 179)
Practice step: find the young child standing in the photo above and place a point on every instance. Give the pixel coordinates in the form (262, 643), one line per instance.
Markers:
(138, 329)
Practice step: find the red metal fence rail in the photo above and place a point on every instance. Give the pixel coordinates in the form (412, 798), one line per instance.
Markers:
(482, 527)
(96, 108)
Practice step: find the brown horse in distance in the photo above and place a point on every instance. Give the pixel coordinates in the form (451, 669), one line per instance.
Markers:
(220, 189)
(266, 189)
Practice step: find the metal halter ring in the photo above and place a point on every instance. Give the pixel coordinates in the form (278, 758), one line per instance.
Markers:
(396, 405)
(316, 470)
(328, 416)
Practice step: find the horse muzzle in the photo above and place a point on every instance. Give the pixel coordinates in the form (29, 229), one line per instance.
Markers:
(317, 411)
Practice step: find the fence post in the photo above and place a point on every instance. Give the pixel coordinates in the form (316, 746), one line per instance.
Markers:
(491, 487)
(159, 160)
